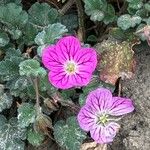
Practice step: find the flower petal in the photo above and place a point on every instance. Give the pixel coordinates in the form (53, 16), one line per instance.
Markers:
(68, 47)
(86, 118)
(105, 134)
(50, 58)
(59, 79)
(121, 106)
(100, 99)
(86, 59)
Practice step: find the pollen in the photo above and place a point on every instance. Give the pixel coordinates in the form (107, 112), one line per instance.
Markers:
(70, 67)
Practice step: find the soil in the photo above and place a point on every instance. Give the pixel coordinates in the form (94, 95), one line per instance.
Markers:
(135, 131)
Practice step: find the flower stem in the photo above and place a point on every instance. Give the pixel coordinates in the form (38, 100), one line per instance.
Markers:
(66, 7)
(80, 20)
(36, 83)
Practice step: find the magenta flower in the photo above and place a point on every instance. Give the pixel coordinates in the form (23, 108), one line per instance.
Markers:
(99, 114)
(70, 65)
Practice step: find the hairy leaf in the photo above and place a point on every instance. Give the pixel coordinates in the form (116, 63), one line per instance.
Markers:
(69, 135)
(9, 68)
(31, 67)
(4, 39)
(34, 138)
(14, 19)
(126, 21)
(5, 101)
(11, 135)
(26, 114)
(41, 15)
(49, 35)
(95, 9)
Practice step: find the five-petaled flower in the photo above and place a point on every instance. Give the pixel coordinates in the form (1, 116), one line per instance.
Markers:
(99, 114)
(70, 65)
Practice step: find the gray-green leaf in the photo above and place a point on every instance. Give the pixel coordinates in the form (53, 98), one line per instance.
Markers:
(40, 15)
(69, 135)
(11, 135)
(26, 114)
(31, 67)
(4, 39)
(35, 138)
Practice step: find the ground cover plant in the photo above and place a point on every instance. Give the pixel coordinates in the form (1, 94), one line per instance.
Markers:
(61, 69)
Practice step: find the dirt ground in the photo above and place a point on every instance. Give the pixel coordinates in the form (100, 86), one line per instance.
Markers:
(135, 131)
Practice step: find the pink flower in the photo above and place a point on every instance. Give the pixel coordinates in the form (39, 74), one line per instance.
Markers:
(99, 114)
(70, 65)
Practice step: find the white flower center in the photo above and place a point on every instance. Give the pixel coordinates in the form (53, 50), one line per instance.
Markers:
(102, 119)
(70, 67)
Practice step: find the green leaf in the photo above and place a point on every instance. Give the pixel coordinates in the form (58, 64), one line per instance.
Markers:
(4, 39)
(5, 101)
(135, 4)
(26, 114)
(4, 2)
(126, 21)
(35, 138)
(14, 19)
(41, 15)
(147, 7)
(11, 135)
(69, 135)
(110, 14)
(70, 21)
(30, 32)
(95, 9)
(50, 34)
(9, 68)
(31, 67)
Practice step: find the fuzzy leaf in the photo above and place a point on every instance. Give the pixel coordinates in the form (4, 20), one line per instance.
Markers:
(41, 15)
(34, 138)
(70, 21)
(9, 68)
(4, 39)
(26, 114)
(30, 33)
(11, 134)
(69, 135)
(14, 19)
(135, 4)
(95, 9)
(110, 14)
(50, 34)
(5, 101)
(117, 60)
(31, 67)
(4, 2)
(126, 21)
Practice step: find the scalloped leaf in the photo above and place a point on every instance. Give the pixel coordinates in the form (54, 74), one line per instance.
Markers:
(95, 9)
(69, 135)
(41, 15)
(14, 19)
(9, 68)
(49, 35)
(5, 101)
(31, 67)
(4, 39)
(26, 115)
(35, 138)
(126, 21)
(11, 135)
